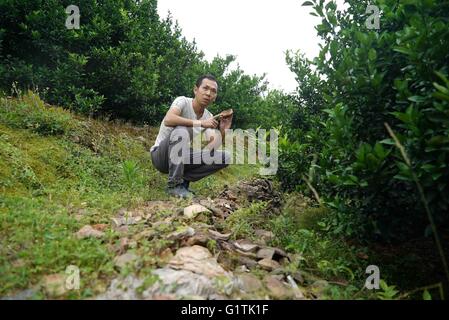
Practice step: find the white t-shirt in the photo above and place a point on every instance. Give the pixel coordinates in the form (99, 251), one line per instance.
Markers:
(185, 105)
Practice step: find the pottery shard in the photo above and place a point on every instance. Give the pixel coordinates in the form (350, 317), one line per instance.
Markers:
(265, 253)
(245, 245)
(89, 232)
(219, 236)
(193, 210)
(181, 233)
(268, 264)
(198, 260)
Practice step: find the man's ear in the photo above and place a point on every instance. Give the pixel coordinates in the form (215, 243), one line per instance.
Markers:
(195, 89)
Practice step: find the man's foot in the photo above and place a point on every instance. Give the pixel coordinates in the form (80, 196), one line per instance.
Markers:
(186, 185)
(179, 191)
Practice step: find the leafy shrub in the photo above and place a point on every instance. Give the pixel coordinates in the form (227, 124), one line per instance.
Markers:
(360, 80)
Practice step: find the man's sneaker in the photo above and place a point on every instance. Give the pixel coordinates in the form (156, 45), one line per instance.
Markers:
(179, 191)
(186, 185)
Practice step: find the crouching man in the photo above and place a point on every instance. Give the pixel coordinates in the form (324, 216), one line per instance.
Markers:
(173, 153)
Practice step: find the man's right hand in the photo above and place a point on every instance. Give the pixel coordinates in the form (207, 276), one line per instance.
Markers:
(209, 123)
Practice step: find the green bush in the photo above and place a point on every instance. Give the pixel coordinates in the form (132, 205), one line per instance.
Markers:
(360, 80)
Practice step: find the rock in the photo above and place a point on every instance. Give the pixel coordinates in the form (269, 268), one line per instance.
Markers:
(192, 211)
(278, 289)
(246, 254)
(181, 283)
(147, 234)
(297, 292)
(121, 212)
(27, 294)
(197, 259)
(298, 277)
(123, 230)
(54, 285)
(88, 232)
(264, 235)
(265, 253)
(248, 283)
(245, 245)
(120, 221)
(100, 226)
(182, 232)
(166, 255)
(199, 238)
(219, 236)
(279, 253)
(242, 269)
(125, 259)
(122, 289)
(250, 263)
(268, 264)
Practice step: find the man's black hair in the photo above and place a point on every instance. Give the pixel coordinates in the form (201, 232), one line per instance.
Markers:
(200, 79)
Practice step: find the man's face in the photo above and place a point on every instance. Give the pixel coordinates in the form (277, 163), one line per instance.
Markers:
(206, 93)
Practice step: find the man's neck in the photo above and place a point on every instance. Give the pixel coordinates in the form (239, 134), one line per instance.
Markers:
(199, 110)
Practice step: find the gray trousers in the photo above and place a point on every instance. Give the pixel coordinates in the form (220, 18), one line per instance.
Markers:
(192, 166)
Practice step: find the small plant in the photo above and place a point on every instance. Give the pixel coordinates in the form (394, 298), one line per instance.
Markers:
(388, 292)
(131, 172)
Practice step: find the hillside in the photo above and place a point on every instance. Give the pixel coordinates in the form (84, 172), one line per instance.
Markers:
(78, 192)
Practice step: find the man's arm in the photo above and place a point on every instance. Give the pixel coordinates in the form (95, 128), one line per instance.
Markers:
(173, 119)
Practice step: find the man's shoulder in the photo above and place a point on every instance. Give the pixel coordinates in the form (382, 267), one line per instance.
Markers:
(182, 99)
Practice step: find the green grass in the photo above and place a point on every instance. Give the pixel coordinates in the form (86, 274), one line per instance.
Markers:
(49, 176)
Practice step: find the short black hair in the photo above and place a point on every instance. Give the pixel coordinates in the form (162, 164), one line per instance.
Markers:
(200, 79)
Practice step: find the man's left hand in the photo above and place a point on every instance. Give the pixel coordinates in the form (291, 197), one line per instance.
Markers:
(225, 122)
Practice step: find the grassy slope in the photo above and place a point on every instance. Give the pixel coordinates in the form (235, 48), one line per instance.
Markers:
(59, 172)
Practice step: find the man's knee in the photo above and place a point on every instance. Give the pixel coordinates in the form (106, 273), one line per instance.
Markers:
(180, 133)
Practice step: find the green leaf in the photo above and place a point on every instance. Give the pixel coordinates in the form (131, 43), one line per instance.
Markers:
(307, 3)
(403, 50)
(372, 55)
(426, 295)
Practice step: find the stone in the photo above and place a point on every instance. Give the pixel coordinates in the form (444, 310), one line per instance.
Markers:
(89, 232)
(219, 236)
(264, 234)
(197, 259)
(245, 245)
(248, 283)
(199, 238)
(182, 232)
(166, 255)
(298, 277)
(296, 291)
(100, 226)
(54, 285)
(265, 253)
(250, 263)
(125, 259)
(246, 254)
(181, 283)
(192, 211)
(278, 289)
(268, 264)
